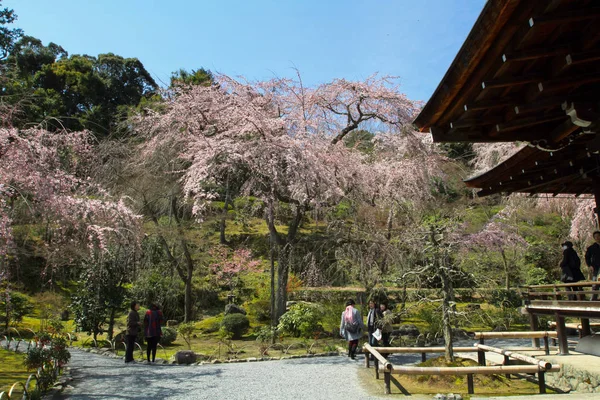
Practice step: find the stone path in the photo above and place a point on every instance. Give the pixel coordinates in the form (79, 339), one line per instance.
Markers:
(99, 377)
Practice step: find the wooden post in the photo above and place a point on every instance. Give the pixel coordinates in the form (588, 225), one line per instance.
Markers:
(563, 345)
(470, 386)
(481, 341)
(367, 354)
(585, 328)
(507, 362)
(546, 345)
(423, 357)
(376, 366)
(542, 382)
(534, 325)
(386, 379)
(481, 357)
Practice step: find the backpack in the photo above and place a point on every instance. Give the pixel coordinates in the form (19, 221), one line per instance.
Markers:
(351, 326)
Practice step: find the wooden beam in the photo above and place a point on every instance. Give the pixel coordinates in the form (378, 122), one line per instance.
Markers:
(582, 57)
(508, 82)
(565, 16)
(569, 82)
(489, 104)
(527, 122)
(534, 54)
(475, 122)
(548, 102)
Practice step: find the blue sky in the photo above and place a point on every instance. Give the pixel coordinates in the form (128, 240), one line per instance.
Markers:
(260, 39)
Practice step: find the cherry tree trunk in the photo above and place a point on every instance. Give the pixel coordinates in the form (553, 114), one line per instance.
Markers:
(283, 269)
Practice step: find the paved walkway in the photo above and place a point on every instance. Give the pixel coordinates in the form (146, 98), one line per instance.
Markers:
(99, 377)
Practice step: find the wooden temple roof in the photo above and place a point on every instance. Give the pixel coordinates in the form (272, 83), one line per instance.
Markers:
(528, 71)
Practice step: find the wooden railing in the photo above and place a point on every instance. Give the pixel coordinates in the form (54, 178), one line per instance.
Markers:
(561, 291)
(535, 366)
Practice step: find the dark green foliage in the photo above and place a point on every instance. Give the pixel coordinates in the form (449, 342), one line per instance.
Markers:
(235, 324)
(13, 306)
(459, 151)
(505, 298)
(154, 286)
(302, 320)
(44, 355)
(7, 36)
(200, 76)
(169, 335)
(361, 140)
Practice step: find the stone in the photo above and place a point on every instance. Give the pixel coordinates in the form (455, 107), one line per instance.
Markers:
(234, 309)
(589, 345)
(216, 361)
(184, 357)
(460, 334)
(407, 330)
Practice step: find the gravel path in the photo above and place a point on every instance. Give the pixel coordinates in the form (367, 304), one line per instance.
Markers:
(100, 377)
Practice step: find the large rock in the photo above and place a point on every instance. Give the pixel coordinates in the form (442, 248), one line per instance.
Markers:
(234, 309)
(589, 345)
(407, 330)
(184, 357)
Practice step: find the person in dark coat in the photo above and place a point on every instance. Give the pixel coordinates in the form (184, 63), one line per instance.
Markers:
(133, 328)
(152, 331)
(570, 267)
(592, 259)
(373, 318)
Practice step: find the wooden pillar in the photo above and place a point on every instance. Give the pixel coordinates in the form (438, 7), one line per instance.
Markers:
(367, 354)
(507, 362)
(596, 181)
(546, 345)
(470, 385)
(376, 366)
(387, 377)
(534, 325)
(423, 357)
(585, 328)
(481, 357)
(542, 382)
(563, 345)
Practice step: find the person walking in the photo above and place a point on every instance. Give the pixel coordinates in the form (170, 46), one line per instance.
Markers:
(351, 327)
(152, 331)
(133, 328)
(592, 259)
(570, 268)
(385, 324)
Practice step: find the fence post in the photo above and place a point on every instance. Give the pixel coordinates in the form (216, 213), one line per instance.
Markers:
(481, 357)
(387, 375)
(546, 345)
(376, 366)
(470, 385)
(423, 357)
(507, 362)
(542, 382)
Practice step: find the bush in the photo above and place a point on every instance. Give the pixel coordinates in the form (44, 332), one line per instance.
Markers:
(505, 298)
(301, 320)
(186, 330)
(236, 325)
(169, 335)
(260, 309)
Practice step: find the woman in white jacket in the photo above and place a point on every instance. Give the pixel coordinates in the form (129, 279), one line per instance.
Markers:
(351, 327)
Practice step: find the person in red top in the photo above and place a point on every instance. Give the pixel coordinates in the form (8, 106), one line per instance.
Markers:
(152, 331)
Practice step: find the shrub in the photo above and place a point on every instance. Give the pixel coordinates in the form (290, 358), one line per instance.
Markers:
(186, 331)
(235, 324)
(169, 335)
(301, 320)
(505, 298)
(260, 309)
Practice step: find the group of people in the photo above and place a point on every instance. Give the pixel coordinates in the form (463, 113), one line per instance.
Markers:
(379, 326)
(570, 264)
(153, 319)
